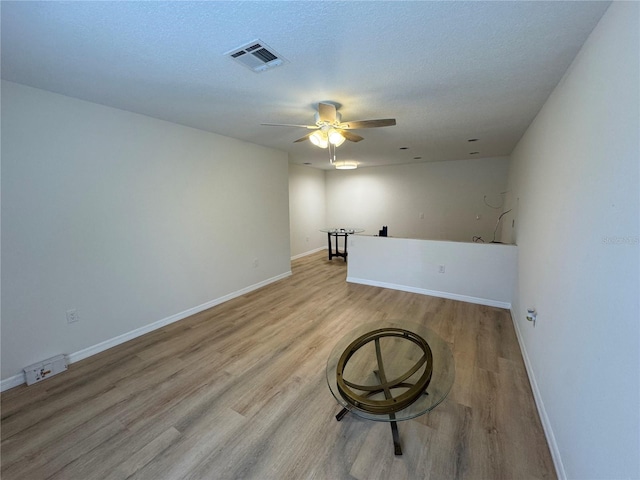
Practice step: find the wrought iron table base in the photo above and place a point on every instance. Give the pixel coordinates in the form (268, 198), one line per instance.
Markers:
(397, 449)
(337, 252)
(391, 404)
(402, 388)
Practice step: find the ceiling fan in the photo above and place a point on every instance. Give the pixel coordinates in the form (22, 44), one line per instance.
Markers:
(329, 129)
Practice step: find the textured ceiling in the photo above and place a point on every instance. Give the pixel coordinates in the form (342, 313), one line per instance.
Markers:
(447, 71)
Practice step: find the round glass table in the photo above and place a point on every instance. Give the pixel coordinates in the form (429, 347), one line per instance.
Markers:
(390, 371)
(337, 233)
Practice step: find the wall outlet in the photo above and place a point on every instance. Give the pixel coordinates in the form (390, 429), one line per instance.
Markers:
(256, 263)
(72, 315)
(440, 268)
(421, 216)
(307, 239)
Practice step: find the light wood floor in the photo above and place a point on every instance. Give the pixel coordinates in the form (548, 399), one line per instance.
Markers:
(239, 391)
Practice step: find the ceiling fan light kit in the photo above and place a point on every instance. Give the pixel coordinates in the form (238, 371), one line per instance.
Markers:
(318, 139)
(322, 139)
(336, 138)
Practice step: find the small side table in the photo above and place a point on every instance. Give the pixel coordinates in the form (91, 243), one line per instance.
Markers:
(338, 233)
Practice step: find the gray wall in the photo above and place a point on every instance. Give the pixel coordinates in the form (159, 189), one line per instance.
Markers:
(127, 219)
(574, 182)
(307, 209)
(435, 201)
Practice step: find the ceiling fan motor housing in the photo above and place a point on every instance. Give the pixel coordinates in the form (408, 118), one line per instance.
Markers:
(320, 122)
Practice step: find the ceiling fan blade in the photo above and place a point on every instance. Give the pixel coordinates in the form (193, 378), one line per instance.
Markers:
(352, 137)
(381, 122)
(327, 112)
(288, 125)
(304, 138)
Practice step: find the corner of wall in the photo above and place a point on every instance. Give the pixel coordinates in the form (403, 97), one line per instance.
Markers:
(544, 418)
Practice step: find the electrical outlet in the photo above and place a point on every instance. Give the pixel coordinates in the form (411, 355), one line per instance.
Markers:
(421, 216)
(440, 268)
(256, 263)
(72, 315)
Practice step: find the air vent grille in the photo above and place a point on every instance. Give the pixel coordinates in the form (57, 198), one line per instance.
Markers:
(265, 55)
(257, 56)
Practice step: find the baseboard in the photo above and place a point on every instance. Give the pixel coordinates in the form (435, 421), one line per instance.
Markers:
(544, 418)
(434, 293)
(107, 344)
(310, 252)
(11, 382)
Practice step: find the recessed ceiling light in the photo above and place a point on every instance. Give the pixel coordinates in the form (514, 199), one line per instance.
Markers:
(472, 140)
(473, 153)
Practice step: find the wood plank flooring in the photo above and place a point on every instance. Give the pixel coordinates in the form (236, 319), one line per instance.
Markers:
(239, 391)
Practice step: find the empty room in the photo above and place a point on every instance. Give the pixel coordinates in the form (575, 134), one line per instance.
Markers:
(328, 240)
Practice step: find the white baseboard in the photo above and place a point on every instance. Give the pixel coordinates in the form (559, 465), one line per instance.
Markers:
(102, 346)
(11, 382)
(544, 418)
(310, 252)
(433, 293)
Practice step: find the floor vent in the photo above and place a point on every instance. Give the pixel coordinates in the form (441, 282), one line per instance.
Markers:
(47, 368)
(257, 56)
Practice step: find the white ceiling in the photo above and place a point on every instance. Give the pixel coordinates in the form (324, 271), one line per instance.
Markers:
(447, 71)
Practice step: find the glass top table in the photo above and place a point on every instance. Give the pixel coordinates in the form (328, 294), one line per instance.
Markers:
(337, 233)
(390, 371)
(348, 231)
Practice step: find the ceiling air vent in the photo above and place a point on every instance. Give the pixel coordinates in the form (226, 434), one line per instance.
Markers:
(257, 56)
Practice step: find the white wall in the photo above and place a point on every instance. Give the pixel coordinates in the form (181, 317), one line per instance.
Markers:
(473, 272)
(575, 173)
(306, 209)
(126, 218)
(449, 194)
